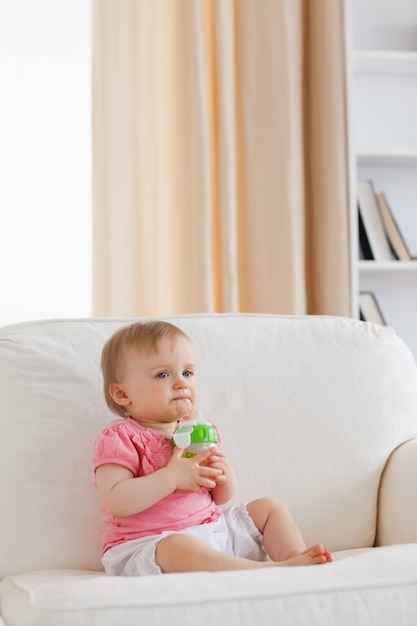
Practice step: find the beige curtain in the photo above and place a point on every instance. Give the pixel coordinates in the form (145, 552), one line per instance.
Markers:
(220, 157)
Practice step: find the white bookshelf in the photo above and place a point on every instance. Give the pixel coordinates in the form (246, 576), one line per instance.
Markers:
(382, 41)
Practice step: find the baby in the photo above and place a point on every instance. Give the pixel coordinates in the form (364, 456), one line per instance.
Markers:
(161, 510)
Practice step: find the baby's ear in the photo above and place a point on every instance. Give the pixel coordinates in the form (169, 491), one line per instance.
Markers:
(118, 394)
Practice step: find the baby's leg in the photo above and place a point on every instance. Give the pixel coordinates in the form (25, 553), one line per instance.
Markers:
(283, 540)
(185, 553)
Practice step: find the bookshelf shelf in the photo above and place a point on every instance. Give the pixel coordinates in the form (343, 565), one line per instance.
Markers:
(393, 266)
(383, 137)
(388, 157)
(385, 62)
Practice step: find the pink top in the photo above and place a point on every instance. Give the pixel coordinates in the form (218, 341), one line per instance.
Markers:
(144, 451)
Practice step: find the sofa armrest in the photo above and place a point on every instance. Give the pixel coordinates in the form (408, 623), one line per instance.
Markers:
(397, 498)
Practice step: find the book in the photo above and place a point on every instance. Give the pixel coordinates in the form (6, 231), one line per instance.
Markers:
(373, 227)
(395, 237)
(369, 309)
(364, 245)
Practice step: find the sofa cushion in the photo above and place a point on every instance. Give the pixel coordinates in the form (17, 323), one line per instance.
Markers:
(310, 409)
(375, 586)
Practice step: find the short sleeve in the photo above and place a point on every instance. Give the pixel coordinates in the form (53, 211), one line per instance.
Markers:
(115, 445)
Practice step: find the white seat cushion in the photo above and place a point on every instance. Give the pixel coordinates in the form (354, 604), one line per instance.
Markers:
(375, 586)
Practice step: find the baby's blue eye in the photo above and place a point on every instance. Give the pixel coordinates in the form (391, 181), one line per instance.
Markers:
(187, 373)
(162, 375)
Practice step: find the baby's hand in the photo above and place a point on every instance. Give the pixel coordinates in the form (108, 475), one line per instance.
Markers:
(218, 460)
(193, 473)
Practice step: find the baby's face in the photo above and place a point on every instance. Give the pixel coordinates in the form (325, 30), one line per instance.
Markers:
(159, 386)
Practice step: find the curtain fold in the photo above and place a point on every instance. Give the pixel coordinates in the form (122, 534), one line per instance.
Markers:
(220, 177)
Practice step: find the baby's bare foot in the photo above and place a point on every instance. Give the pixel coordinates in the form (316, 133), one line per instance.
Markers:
(316, 555)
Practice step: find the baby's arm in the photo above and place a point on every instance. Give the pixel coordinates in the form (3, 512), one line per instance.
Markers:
(226, 482)
(121, 493)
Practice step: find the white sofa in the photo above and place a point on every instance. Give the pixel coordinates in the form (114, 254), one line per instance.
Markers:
(320, 412)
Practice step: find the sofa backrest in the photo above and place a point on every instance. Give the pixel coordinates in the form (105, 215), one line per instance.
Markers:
(310, 409)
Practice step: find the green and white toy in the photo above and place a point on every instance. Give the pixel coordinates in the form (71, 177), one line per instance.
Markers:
(194, 435)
